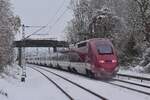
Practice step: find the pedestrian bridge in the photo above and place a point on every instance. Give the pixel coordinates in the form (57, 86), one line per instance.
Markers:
(37, 43)
(40, 43)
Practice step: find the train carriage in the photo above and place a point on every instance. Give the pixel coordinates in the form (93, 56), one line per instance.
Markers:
(95, 58)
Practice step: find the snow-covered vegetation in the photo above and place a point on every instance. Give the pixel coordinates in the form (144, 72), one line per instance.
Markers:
(125, 22)
(8, 26)
(10, 77)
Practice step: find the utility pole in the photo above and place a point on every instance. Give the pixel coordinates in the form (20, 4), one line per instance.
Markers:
(23, 56)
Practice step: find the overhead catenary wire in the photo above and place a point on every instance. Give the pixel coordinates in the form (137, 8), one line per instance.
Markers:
(57, 11)
(51, 26)
(35, 32)
(58, 19)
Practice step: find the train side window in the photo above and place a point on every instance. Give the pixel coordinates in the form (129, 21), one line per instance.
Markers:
(82, 44)
(65, 57)
(104, 49)
(75, 58)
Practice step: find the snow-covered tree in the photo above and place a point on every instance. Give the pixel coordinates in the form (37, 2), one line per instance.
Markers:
(7, 29)
(125, 22)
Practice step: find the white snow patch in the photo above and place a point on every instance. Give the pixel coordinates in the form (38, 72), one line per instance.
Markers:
(107, 90)
(137, 69)
(36, 87)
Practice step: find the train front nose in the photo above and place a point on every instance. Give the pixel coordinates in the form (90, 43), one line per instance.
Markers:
(108, 64)
(106, 58)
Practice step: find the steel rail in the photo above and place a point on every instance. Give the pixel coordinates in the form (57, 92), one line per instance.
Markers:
(126, 87)
(135, 77)
(108, 82)
(141, 85)
(95, 94)
(71, 98)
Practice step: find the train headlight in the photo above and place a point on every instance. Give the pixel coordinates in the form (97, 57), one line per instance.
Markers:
(102, 61)
(114, 61)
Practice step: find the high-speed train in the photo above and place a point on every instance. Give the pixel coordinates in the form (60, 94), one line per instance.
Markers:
(94, 57)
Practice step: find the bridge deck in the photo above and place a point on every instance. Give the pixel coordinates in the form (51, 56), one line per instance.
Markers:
(40, 43)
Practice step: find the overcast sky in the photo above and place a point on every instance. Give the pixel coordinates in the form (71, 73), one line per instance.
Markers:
(41, 12)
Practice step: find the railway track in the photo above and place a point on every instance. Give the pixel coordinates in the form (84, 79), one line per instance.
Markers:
(134, 77)
(131, 84)
(71, 98)
(113, 82)
(75, 84)
(128, 87)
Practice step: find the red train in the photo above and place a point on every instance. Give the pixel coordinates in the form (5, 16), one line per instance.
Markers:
(94, 57)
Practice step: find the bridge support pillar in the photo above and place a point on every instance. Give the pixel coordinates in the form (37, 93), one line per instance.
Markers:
(20, 56)
(54, 49)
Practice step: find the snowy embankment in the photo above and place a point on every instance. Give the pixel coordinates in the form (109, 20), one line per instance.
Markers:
(137, 71)
(36, 87)
(8, 79)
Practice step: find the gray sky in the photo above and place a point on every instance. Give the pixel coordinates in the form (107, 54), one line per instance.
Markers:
(40, 12)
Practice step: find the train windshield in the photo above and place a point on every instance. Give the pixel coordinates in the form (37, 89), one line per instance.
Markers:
(104, 49)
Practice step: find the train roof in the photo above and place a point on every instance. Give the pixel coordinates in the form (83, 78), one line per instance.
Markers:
(83, 43)
(95, 39)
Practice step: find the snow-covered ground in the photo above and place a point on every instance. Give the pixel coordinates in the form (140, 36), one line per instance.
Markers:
(129, 72)
(37, 87)
(134, 72)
